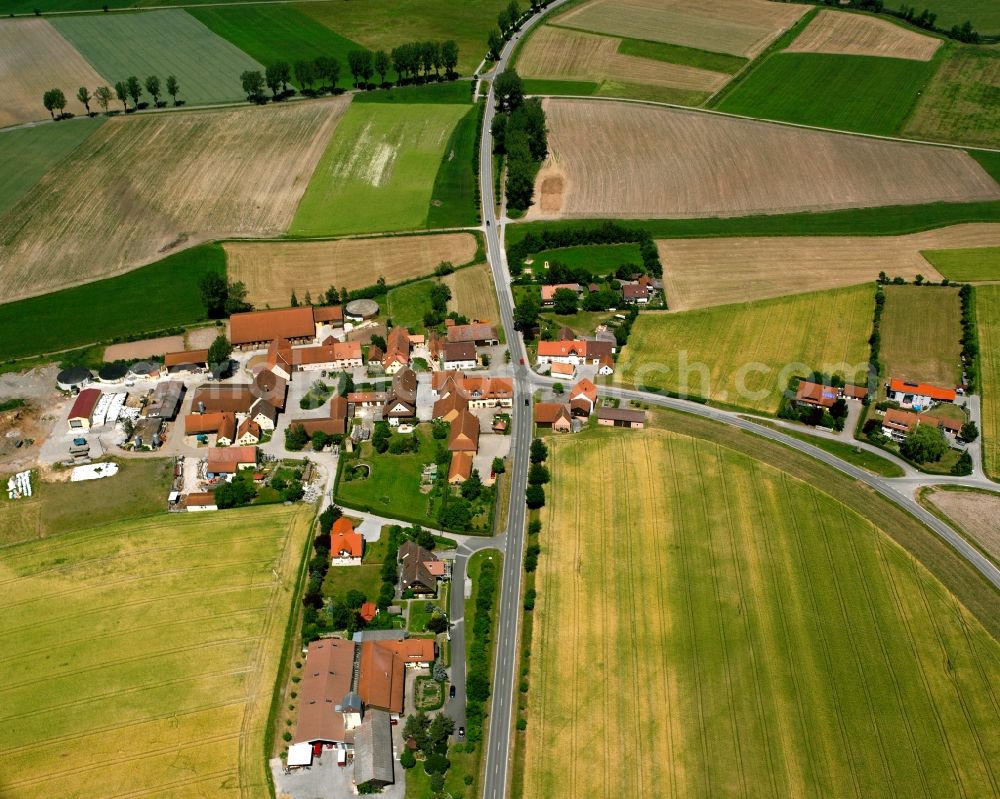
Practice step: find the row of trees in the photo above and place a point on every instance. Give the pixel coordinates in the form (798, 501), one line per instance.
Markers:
(477, 683)
(519, 136)
(585, 234)
(130, 88)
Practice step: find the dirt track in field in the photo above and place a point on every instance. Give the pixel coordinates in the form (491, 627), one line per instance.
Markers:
(633, 160)
(977, 514)
(699, 273)
(34, 58)
(143, 187)
(273, 270)
(738, 27)
(855, 34)
(572, 55)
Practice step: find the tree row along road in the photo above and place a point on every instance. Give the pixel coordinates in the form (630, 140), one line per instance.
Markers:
(498, 749)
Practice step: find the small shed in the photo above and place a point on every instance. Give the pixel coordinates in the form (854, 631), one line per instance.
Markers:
(300, 755)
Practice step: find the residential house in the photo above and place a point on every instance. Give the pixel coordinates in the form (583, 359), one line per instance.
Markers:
(402, 400)
(327, 357)
(621, 417)
(397, 351)
(564, 370)
(918, 395)
(549, 292)
(248, 433)
(346, 546)
(459, 355)
(637, 293)
(186, 361)
(449, 407)
(414, 572)
(226, 433)
(82, 409)
(605, 365)
(226, 461)
(464, 436)
(256, 329)
(576, 351)
(583, 398)
(898, 424)
(554, 415)
(816, 394)
(478, 334)
(854, 392)
(264, 414)
(368, 399)
(460, 469)
(481, 391)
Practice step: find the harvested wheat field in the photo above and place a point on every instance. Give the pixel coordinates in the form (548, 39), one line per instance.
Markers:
(977, 513)
(615, 159)
(273, 270)
(473, 294)
(858, 34)
(143, 186)
(34, 58)
(745, 631)
(561, 54)
(738, 27)
(699, 273)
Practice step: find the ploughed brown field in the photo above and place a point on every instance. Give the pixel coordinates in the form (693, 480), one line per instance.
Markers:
(856, 34)
(698, 273)
(976, 512)
(141, 187)
(618, 159)
(739, 27)
(273, 270)
(34, 57)
(563, 54)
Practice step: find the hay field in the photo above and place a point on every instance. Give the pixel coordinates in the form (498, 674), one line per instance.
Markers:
(378, 172)
(272, 270)
(744, 355)
(144, 185)
(977, 513)
(921, 334)
(973, 263)
(35, 59)
(557, 53)
(699, 273)
(741, 632)
(140, 657)
(168, 42)
(988, 324)
(473, 295)
(738, 27)
(859, 34)
(611, 159)
(960, 101)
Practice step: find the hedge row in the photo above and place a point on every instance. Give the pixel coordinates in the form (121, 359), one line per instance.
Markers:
(478, 675)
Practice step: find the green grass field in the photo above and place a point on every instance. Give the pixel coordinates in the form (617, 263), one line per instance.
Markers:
(31, 152)
(988, 325)
(744, 632)
(408, 303)
(113, 308)
(678, 54)
(960, 103)
(974, 263)
(447, 92)
(858, 93)
(140, 657)
(139, 489)
(453, 198)
(272, 33)
(600, 259)
(983, 14)
(540, 86)
(921, 335)
(161, 43)
(393, 487)
(744, 355)
(378, 171)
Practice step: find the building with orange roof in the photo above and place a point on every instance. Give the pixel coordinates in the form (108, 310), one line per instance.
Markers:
(448, 408)
(368, 611)
(346, 546)
(585, 393)
(560, 369)
(464, 436)
(919, 395)
(554, 415)
(248, 432)
(382, 676)
(460, 469)
(397, 350)
(898, 424)
(324, 694)
(578, 351)
(226, 461)
(259, 328)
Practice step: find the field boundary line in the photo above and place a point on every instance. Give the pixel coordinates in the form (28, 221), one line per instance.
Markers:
(799, 125)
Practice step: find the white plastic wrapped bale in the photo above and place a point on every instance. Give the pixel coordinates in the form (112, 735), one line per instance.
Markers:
(115, 407)
(93, 471)
(100, 414)
(19, 485)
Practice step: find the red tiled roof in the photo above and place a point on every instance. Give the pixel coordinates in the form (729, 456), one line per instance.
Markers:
(185, 356)
(563, 369)
(923, 389)
(548, 292)
(225, 460)
(464, 433)
(368, 611)
(551, 412)
(584, 388)
(328, 313)
(83, 405)
(461, 467)
(816, 394)
(472, 333)
(254, 326)
(326, 680)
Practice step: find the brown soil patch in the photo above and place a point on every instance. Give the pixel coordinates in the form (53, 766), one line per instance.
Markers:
(857, 34)
(571, 55)
(202, 337)
(698, 273)
(978, 514)
(551, 187)
(633, 160)
(273, 270)
(739, 27)
(146, 348)
(139, 184)
(36, 58)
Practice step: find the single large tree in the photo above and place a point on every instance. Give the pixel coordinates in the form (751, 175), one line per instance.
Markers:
(253, 84)
(509, 90)
(214, 292)
(272, 77)
(104, 96)
(173, 87)
(53, 99)
(526, 314)
(84, 96)
(134, 89)
(305, 74)
(564, 301)
(328, 69)
(449, 56)
(382, 63)
(121, 91)
(153, 87)
(494, 44)
(219, 352)
(924, 444)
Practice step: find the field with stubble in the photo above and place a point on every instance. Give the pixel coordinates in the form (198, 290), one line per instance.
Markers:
(272, 270)
(36, 58)
(140, 187)
(699, 273)
(139, 658)
(743, 632)
(473, 294)
(612, 159)
(977, 513)
(859, 34)
(921, 335)
(744, 354)
(738, 27)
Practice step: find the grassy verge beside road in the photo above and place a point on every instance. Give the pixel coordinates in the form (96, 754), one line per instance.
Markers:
(856, 456)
